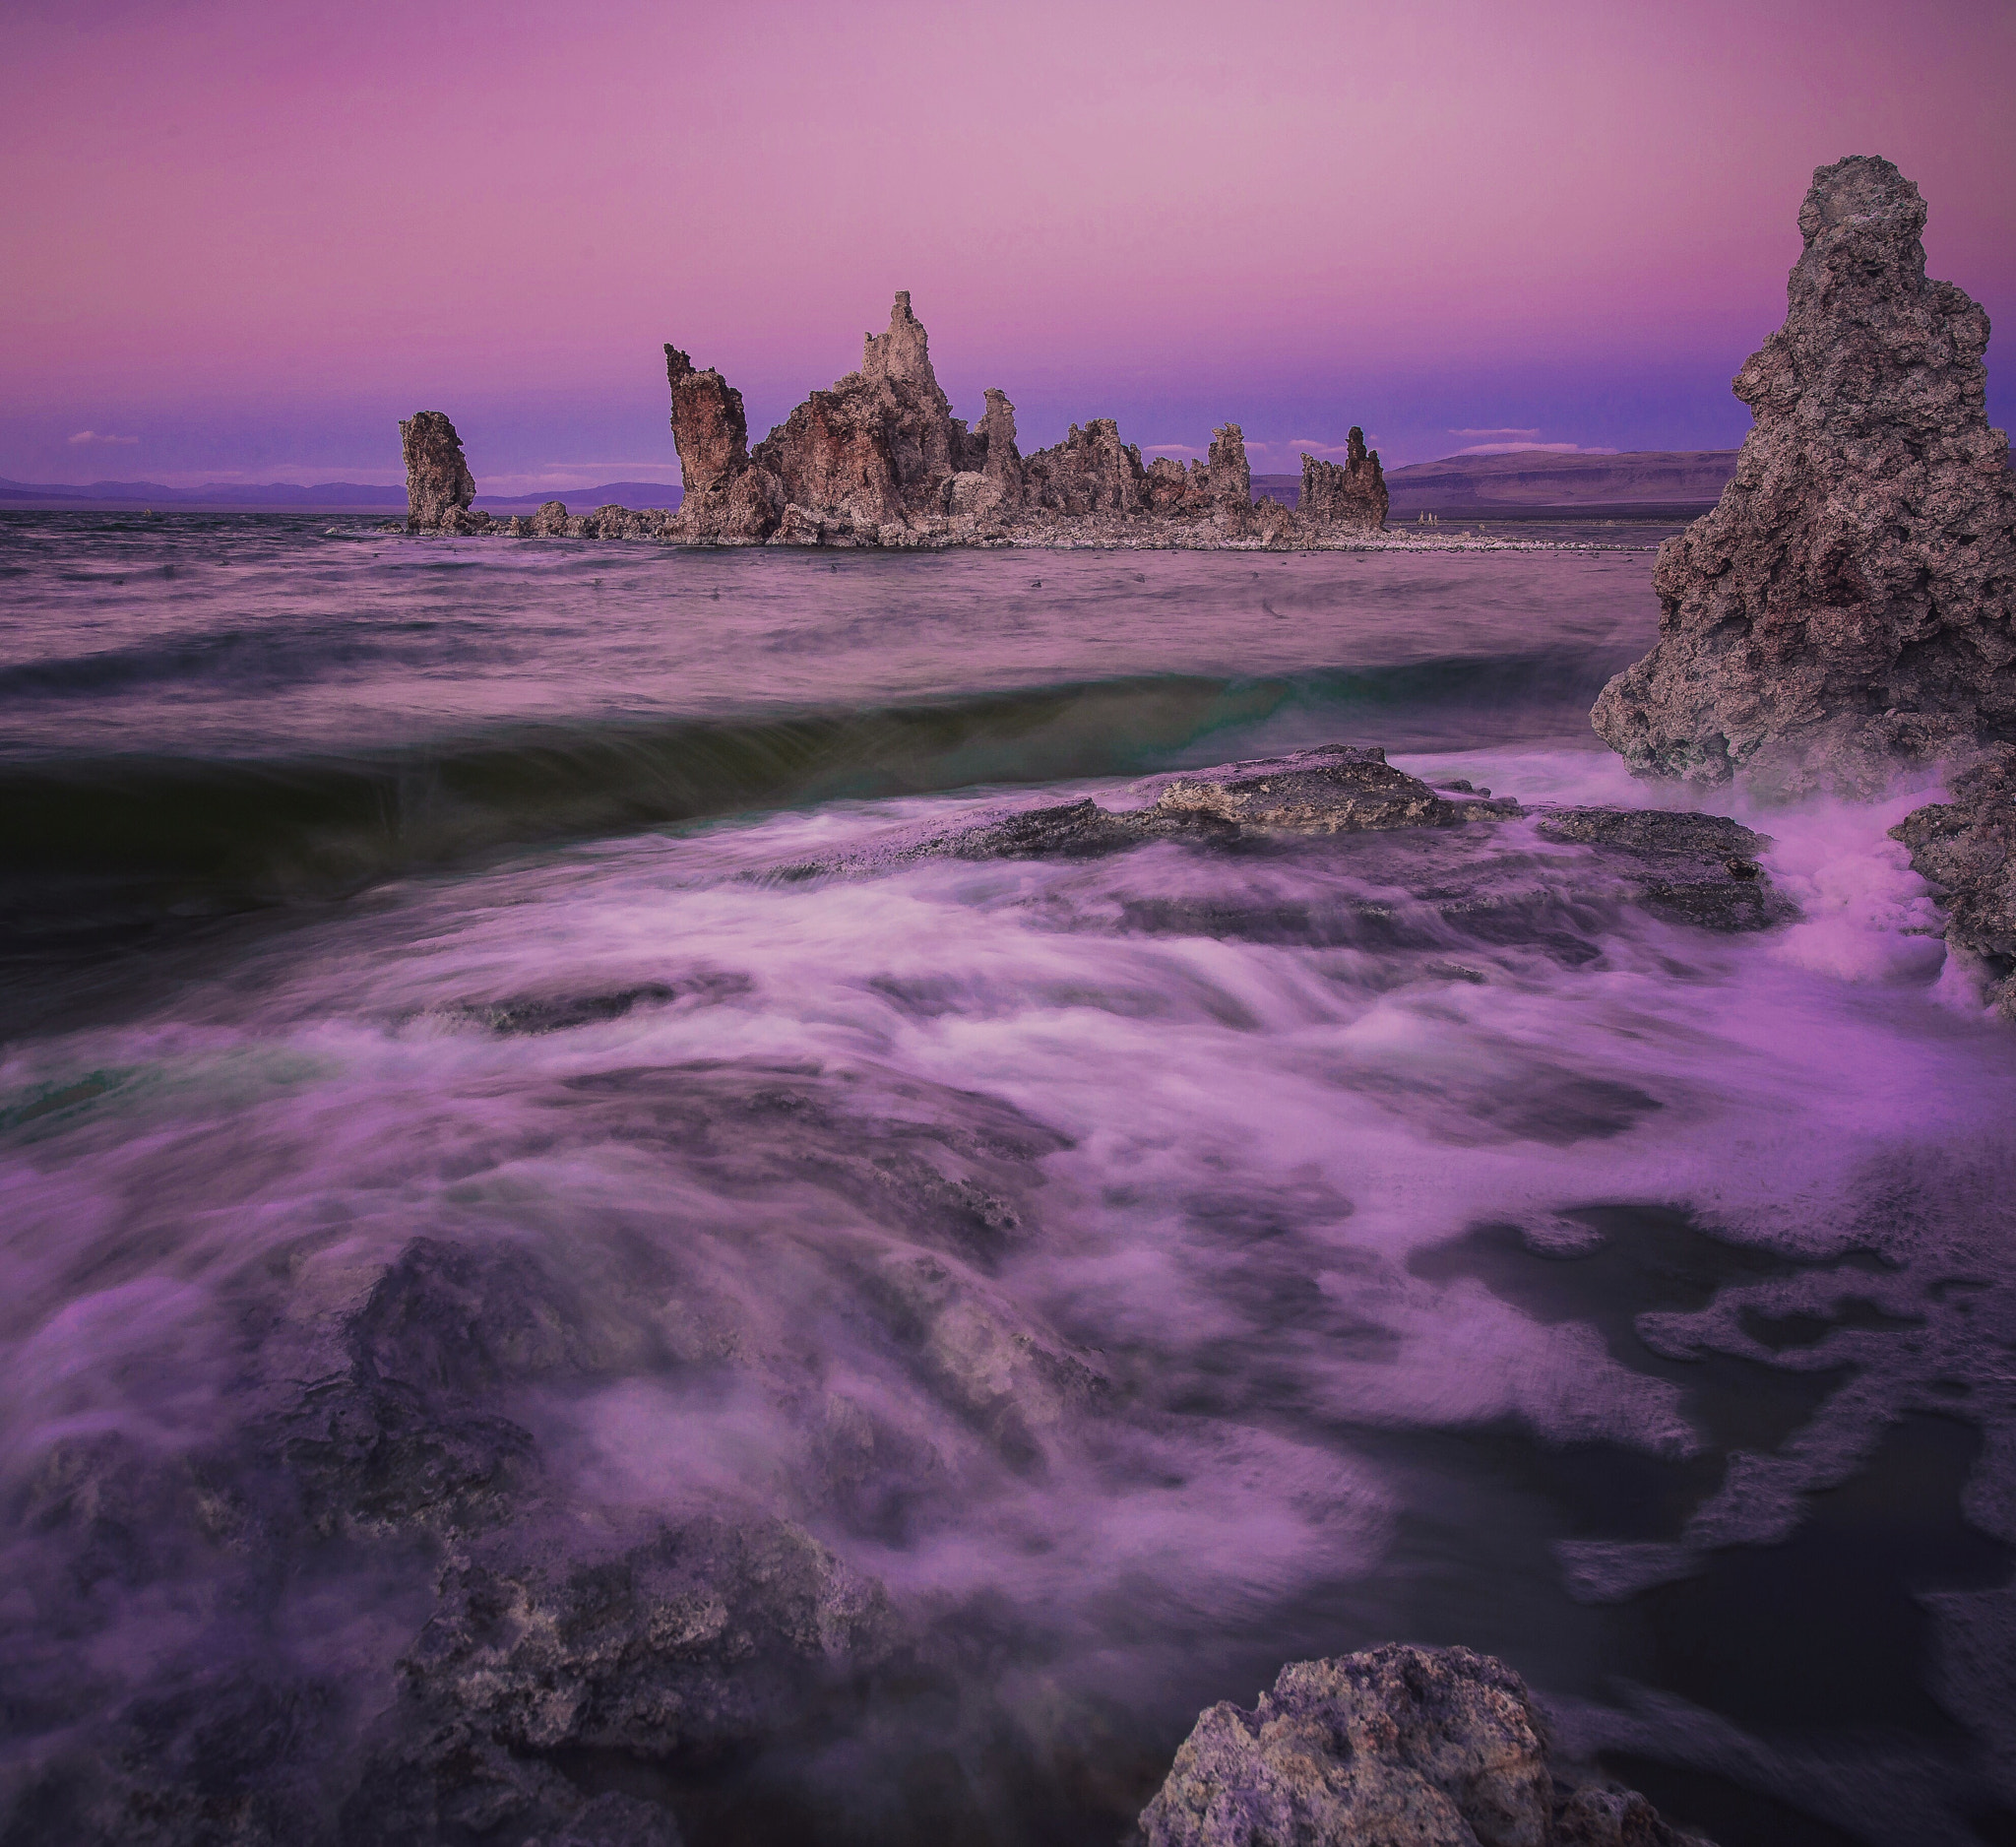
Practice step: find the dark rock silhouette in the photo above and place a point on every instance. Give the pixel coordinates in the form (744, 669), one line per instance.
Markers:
(1966, 846)
(1398, 1747)
(1849, 603)
(438, 484)
(1353, 494)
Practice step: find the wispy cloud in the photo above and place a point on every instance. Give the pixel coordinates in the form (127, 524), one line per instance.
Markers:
(1309, 443)
(84, 437)
(1520, 448)
(1170, 448)
(1500, 435)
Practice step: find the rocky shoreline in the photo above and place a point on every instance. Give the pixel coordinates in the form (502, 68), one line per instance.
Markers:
(879, 462)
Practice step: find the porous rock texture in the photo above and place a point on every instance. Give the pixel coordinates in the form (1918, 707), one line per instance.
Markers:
(438, 484)
(1353, 494)
(1338, 788)
(880, 459)
(1966, 847)
(1848, 603)
(1398, 1747)
(417, 1611)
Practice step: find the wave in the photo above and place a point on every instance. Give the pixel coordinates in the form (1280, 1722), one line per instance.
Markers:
(275, 656)
(251, 831)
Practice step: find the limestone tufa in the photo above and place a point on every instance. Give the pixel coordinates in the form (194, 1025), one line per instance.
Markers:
(1848, 603)
(438, 484)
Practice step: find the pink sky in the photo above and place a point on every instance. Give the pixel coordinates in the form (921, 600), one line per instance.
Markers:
(242, 239)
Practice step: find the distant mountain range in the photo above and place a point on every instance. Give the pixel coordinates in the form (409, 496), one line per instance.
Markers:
(328, 495)
(1533, 481)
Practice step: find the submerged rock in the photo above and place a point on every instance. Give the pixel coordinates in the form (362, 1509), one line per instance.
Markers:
(1353, 494)
(1399, 1747)
(1967, 848)
(1695, 869)
(692, 1641)
(438, 484)
(1849, 601)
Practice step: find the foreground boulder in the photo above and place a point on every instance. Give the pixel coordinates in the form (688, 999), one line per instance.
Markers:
(1692, 869)
(438, 484)
(1398, 1747)
(1849, 601)
(1339, 789)
(1966, 846)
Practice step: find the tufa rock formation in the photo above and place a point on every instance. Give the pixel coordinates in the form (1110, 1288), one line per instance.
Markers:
(1354, 495)
(880, 459)
(1968, 849)
(1848, 603)
(438, 484)
(1396, 1748)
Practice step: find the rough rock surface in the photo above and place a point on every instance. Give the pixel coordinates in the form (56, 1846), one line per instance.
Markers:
(1695, 869)
(1340, 789)
(1092, 471)
(880, 459)
(438, 484)
(1353, 494)
(1849, 601)
(1337, 789)
(1967, 848)
(1398, 1747)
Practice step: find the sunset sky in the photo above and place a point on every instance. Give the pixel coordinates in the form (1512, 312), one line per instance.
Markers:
(242, 239)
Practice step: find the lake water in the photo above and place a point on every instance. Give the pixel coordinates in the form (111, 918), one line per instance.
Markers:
(484, 980)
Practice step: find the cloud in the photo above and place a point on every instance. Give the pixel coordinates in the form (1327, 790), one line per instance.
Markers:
(1521, 436)
(1174, 448)
(1300, 444)
(84, 436)
(1521, 448)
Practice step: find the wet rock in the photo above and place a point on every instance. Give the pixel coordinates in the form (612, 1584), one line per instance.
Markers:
(1850, 601)
(1337, 789)
(615, 1820)
(559, 1013)
(438, 482)
(1352, 495)
(1069, 830)
(687, 1643)
(1966, 846)
(1399, 1747)
(416, 1430)
(1694, 869)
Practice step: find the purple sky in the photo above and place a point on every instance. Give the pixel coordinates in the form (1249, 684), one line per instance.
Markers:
(242, 239)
